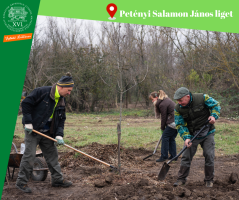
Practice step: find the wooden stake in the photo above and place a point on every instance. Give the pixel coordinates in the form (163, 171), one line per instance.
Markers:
(119, 135)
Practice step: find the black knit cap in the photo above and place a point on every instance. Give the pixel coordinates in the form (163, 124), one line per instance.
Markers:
(66, 81)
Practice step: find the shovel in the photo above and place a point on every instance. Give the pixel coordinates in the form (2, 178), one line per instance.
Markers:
(112, 168)
(154, 149)
(165, 168)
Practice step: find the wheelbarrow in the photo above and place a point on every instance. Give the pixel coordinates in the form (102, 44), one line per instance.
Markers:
(40, 168)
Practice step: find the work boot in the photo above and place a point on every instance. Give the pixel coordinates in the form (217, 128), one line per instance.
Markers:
(62, 183)
(24, 188)
(179, 182)
(209, 183)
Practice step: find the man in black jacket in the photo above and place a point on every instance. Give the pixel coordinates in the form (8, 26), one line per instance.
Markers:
(44, 111)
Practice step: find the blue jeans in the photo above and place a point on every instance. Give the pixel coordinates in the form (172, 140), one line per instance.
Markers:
(168, 142)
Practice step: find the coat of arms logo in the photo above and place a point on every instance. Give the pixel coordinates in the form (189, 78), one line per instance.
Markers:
(17, 17)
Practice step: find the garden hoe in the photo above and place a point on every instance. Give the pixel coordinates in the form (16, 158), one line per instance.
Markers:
(165, 168)
(112, 168)
(154, 149)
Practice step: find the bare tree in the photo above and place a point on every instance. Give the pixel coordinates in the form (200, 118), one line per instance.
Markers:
(121, 45)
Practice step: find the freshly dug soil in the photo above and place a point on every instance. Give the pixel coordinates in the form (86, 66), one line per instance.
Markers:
(138, 179)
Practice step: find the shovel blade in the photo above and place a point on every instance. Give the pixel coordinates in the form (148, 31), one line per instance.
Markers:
(163, 172)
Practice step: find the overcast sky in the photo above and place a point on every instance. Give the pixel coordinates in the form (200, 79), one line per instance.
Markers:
(95, 25)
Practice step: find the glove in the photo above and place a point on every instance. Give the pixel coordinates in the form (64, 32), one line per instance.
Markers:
(60, 140)
(28, 128)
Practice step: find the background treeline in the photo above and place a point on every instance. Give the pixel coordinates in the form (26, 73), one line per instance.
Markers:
(203, 61)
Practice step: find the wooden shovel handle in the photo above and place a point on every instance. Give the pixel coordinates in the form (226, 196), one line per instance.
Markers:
(74, 149)
(44, 135)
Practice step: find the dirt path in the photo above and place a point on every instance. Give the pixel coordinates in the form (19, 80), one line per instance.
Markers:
(138, 180)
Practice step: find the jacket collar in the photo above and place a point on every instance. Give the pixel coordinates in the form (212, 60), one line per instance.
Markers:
(158, 102)
(52, 93)
(61, 101)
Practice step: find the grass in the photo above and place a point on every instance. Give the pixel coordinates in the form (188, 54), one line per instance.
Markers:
(138, 131)
(227, 138)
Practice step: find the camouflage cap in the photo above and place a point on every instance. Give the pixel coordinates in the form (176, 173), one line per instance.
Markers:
(181, 92)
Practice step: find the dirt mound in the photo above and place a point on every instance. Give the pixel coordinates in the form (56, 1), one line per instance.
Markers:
(102, 152)
(106, 153)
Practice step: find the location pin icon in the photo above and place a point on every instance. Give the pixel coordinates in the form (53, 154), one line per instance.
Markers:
(111, 9)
